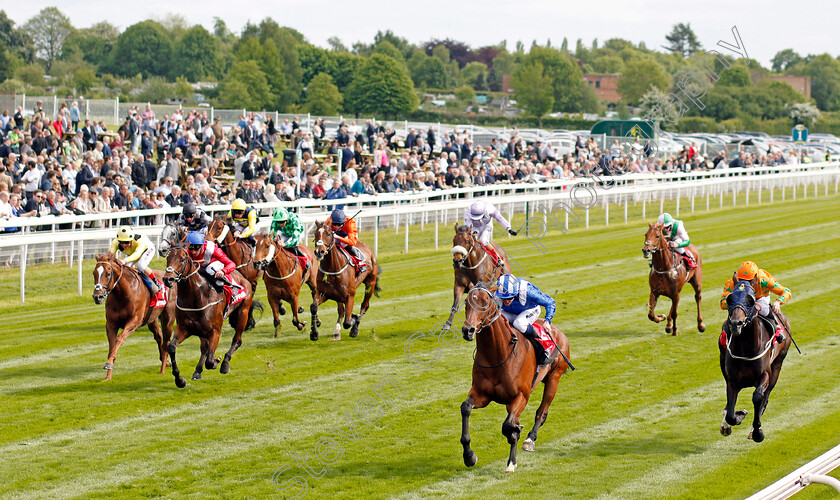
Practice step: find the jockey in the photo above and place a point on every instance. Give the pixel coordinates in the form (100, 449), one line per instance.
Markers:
(139, 251)
(763, 283)
(194, 219)
(211, 258)
(479, 216)
(290, 229)
(346, 235)
(244, 220)
(521, 303)
(674, 231)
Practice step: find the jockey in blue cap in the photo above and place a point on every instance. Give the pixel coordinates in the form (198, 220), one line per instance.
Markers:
(521, 303)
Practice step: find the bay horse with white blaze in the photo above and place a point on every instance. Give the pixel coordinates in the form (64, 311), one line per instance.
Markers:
(283, 276)
(473, 266)
(200, 311)
(503, 371)
(749, 357)
(237, 250)
(668, 276)
(337, 280)
(127, 300)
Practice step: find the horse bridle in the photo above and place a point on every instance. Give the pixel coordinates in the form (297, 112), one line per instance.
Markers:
(513, 338)
(226, 245)
(327, 251)
(98, 286)
(179, 275)
(657, 249)
(275, 252)
(469, 250)
(749, 317)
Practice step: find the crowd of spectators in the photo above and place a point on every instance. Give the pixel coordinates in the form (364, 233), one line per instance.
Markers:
(66, 164)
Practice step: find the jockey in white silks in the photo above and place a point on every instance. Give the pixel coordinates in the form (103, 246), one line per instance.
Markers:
(479, 216)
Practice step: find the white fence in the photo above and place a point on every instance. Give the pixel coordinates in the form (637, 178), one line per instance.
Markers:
(553, 203)
(812, 472)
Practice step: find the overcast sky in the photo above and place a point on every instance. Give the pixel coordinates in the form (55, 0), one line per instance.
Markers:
(807, 26)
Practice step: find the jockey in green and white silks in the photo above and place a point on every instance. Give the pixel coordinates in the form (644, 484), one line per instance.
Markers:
(289, 228)
(674, 231)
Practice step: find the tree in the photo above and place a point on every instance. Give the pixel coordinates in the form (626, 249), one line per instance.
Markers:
(785, 59)
(316, 60)
(246, 86)
(824, 71)
(16, 40)
(533, 89)
(458, 51)
(480, 83)
(6, 66)
(183, 89)
(399, 43)
(83, 79)
(336, 44)
(346, 65)
(638, 77)
(91, 45)
(49, 29)
(504, 63)
(649, 100)
(156, 90)
(142, 48)
(196, 55)
(565, 76)
(683, 40)
(387, 48)
(174, 24)
(471, 72)
(494, 83)
(268, 59)
(736, 76)
(382, 87)
(427, 72)
(30, 74)
(607, 64)
(590, 101)
(220, 29)
(804, 113)
(322, 96)
(465, 93)
(720, 105)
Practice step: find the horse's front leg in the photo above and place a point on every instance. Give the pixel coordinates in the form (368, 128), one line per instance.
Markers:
(698, 292)
(348, 312)
(474, 400)
(671, 325)
(201, 359)
(759, 400)
(180, 335)
(458, 292)
(652, 307)
(511, 428)
(730, 416)
(337, 331)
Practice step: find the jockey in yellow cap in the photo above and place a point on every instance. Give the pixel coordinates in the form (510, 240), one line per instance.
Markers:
(244, 220)
(763, 283)
(138, 251)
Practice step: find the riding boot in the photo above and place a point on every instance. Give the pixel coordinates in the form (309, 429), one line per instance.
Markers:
(231, 283)
(153, 287)
(689, 259)
(358, 254)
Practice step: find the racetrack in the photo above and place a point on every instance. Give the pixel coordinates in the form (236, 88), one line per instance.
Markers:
(638, 419)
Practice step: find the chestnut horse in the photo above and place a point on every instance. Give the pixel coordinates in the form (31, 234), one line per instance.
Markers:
(237, 250)
(127, 301)
(473, 265)
(503, 371)
(668, 276)
(749, 358)
(337, 280)
(283, 276)
(200, 311)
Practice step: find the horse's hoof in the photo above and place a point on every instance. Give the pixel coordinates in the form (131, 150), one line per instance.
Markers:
(511, 467)
(313, 336)
(300, 310)
(757, 435)
(281, 310)
(667, 329)
(318, 323)
(701, 328)
(740, 415)
(528, 445)
(354, 332)
(725, 430)
(180, 382)
(196, 376)
(347, 325)
(224, 368)
(336, 336)
(301, 325)
(471, 459)
(108, 366)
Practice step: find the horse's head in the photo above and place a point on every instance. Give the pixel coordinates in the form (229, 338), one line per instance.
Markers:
(106, 273)
(462, 245)
(264, 251)
(172, 235)
(178, 265)
(654, 240)
(324, 240)
(482, 308)
(741, 305)
(219, 231)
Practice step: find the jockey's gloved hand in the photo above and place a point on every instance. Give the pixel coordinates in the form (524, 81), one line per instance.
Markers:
(512, 232)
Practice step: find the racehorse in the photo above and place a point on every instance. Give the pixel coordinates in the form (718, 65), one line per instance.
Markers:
(283, 276)
(237, 250)
(337, 280)
(475, 266)
(127, 301)
(668, 275)
(200, 310)
(749, 358)
(171, 235)
(503, 372)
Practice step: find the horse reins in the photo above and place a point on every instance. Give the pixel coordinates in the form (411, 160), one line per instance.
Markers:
(327, 252)
(99, 286)
(228, 245)
(750, 319)
(294, 267)
(514, 339)
(180, 276)
(658, 249)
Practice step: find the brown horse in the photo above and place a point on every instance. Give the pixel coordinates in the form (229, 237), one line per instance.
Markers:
(127, 301)
(668, 276)
(749, 358)
(503, 372)
(237, 250)
(200, 311)
(283, 277)
(337, 280)
(473, 265)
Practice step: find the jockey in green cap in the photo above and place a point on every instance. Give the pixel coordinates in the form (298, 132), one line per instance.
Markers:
(289, 228)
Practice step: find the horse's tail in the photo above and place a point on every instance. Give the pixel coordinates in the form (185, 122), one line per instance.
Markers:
(256, 304)
(376, 287)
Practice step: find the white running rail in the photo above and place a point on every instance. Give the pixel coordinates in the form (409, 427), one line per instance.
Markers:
(813, 472)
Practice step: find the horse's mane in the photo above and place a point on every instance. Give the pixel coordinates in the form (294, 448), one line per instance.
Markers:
(463, 228)
(107, 257)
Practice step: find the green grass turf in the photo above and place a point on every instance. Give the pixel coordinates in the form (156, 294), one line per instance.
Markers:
(638, 419)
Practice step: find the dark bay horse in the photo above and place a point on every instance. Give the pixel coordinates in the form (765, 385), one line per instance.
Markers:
(283, 277)
(749, 358)
(473, 265)
(171, 235)
(337, 280)
(503, 371)
(237, 250)
(668, 276)
(200, 311)
(127, 301)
